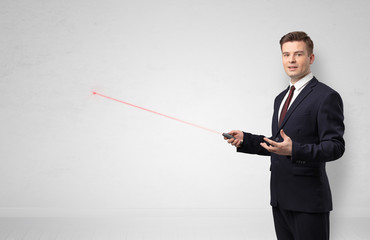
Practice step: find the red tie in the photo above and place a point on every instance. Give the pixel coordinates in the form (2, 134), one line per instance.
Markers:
(286, 105)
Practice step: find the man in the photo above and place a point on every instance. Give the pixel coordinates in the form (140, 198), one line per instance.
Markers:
(307, 132)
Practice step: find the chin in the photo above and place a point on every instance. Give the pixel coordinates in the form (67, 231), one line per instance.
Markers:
(292, 75)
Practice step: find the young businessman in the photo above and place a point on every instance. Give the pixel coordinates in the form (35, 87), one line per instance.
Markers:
(307, 132)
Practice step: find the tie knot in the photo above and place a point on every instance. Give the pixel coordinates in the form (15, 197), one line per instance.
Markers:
(292, 88)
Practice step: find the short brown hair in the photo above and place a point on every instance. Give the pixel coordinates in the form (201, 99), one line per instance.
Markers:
(298, 36)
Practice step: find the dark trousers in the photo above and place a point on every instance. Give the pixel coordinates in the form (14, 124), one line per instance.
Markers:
(290, 225)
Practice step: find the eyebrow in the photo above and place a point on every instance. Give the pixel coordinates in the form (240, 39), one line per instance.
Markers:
(294, 52)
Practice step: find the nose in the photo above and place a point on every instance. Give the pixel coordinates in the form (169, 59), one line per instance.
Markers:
(292, 59)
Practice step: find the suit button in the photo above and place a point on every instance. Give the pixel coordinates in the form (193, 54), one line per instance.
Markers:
(277, 139)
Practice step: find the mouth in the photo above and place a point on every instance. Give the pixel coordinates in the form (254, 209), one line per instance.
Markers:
(292, 68)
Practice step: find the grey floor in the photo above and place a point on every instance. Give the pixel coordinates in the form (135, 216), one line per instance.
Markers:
(164, 226)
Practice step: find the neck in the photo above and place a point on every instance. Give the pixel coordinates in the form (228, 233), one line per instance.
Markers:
(295, 80)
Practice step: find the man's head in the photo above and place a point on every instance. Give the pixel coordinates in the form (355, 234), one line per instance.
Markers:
(297, 37)
(297, 51)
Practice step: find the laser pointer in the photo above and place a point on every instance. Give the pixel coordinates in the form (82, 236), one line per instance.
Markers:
(228, 136)
(163, 115)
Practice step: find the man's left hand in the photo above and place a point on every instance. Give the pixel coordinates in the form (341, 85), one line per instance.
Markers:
(280, 148)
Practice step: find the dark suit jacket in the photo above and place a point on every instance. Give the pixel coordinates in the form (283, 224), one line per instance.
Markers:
(314, 122)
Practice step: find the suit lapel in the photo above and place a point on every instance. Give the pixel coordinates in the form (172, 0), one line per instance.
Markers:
(305, 92)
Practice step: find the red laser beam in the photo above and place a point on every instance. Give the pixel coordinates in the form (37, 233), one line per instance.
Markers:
(161, 114)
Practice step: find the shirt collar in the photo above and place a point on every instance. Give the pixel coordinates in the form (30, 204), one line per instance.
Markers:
(302, 82)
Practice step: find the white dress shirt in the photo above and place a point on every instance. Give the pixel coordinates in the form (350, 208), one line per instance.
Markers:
(298, 88)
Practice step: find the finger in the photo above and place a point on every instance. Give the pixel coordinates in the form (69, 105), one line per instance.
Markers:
(231, 140)
(236, 142)
(264, 145)
(269, 141)
(268, 148)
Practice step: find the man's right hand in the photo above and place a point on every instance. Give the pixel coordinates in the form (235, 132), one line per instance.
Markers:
(238, 138)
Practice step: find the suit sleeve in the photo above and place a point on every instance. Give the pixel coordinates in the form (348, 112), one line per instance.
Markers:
(330, 129)
(251, 144)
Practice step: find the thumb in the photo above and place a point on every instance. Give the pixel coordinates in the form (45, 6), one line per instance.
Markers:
(233, 132)
(283, 135)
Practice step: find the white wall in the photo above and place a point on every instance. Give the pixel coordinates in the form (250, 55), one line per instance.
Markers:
(214, 63)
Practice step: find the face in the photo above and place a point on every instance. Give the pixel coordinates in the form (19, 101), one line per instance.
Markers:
(296, 60)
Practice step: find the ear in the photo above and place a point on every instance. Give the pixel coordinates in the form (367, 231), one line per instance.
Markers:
(312, 58)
